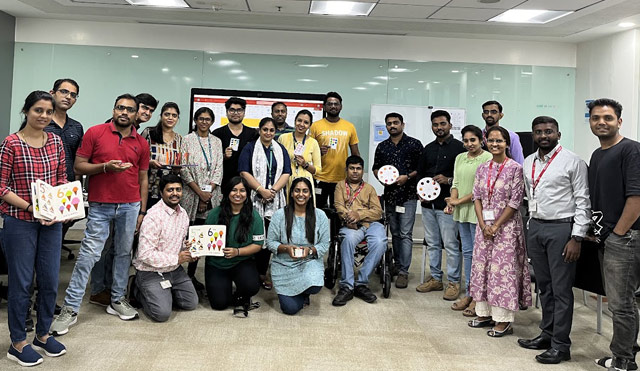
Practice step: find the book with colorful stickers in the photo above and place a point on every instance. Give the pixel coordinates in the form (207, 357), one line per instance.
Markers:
(63, 202)
(207, 240)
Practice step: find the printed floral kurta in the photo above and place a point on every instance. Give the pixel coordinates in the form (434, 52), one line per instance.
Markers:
(499, 270)
(197, 147)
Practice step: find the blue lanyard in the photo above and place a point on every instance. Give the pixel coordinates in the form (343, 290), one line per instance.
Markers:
(204, 153)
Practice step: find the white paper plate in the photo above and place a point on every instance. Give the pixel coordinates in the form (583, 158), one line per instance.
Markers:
(388, 174)
(428, 189)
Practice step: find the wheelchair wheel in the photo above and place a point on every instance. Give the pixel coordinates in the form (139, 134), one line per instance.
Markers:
(333, 266)
(386, 285)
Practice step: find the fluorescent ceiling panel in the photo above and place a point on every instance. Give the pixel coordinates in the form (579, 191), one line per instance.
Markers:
(352, 8)
(535, 16)
(160, 3)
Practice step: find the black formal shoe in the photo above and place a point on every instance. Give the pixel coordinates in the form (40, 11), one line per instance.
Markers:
(344, 295)
(363, 292)
(538, 343)
(552, 356)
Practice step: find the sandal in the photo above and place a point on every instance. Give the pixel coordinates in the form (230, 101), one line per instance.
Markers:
(461, 303)
(471, 310)
(498, 334)
(265, 282)
(477, 323)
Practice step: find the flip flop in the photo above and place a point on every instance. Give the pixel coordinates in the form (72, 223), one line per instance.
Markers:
(475, 323)
(470, 311)
(498, 334)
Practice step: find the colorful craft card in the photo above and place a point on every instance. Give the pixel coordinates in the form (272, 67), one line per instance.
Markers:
(207, 240)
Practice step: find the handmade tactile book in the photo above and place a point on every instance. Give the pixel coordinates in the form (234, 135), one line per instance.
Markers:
(63, 202)
(207, 240)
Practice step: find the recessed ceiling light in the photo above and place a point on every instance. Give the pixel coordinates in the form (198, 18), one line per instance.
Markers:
(436, 82)
(352, 8)
(165, 69)
(160, 3)
(135, 56)
(236, 71)
(537, 16)
(626, 24)
(373, 83)
(307, 80)
(226, 63)
(314, 65)
(455, 71)
(497, 78)
(360, 88)
(421, 82)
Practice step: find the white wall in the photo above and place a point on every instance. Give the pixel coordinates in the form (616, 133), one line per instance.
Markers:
(296, 43)
(608, 67)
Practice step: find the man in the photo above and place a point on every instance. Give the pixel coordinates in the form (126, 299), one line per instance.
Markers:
(402, 152)
(358, 206)
(117, 159)
(437, 161)
(161, 281)
(102, 272)
(559, 208)
(492, 114)
(279, 116)
(335, 136)
(614, 185)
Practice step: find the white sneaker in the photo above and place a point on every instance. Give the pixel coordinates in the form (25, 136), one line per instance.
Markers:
(66, 318)
(122, 309)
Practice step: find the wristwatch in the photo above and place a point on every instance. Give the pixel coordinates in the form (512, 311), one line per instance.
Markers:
(578, 239)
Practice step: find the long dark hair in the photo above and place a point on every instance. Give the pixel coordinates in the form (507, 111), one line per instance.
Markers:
(33, 98)
(155, 133)
(246, 213)
(310, 217)
(505, 134)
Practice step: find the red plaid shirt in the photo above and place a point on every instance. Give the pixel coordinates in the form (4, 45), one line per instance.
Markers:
(21, 165)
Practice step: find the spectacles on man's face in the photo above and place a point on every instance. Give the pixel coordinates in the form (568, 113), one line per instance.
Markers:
(122, 108)
(495, 141)
(66, 92)
(235, 111)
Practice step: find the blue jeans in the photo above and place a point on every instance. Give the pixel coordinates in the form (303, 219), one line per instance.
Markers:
(467, 236)
(401, 226)
(124, 217)
(102, 272)
(621, 266)
(376, 237)
(440, 228)
(293, 304)
(29, 247)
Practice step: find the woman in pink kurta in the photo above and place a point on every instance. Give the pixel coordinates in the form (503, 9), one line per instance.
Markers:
(500, 281)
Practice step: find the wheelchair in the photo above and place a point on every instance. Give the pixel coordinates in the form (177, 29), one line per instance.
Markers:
(334, 261)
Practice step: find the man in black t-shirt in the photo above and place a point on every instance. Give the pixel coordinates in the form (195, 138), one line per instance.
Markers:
(614, 185)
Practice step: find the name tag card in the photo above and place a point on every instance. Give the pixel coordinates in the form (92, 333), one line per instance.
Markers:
(488, 215)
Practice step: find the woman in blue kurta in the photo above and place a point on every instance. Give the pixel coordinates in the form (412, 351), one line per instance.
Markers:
(298, 237)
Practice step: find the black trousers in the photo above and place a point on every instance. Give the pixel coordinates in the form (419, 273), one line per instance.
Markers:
(545, 244)
(327, 197)
(219, 284)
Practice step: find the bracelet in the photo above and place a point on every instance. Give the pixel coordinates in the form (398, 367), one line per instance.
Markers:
(27, 208)
(142, 213)
(238, 250)
(104, 167)
(257, 189)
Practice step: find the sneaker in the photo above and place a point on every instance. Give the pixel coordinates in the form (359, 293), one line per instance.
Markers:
(344, 295)
(60, 325)
(607, 362)
(363, 292)
(122, 309)
(52, 347)
(452, 291)
(430, 285)
(27, 358)
(402, 281)
(102, 298)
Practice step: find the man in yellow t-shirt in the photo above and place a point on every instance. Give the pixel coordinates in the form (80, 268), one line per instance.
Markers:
(335, 137)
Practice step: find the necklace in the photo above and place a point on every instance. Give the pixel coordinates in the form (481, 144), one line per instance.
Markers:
(24, 139)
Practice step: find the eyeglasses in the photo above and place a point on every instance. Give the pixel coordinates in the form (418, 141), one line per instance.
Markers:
(66, 92)
(493, 112)
(204, 119)
(495, 141)
(122, 108)
(235, 110)
(332, 104)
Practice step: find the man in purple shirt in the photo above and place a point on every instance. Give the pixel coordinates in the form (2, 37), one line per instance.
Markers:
(492, 114)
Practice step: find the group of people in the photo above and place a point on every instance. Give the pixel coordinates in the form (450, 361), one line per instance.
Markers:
(269, 187)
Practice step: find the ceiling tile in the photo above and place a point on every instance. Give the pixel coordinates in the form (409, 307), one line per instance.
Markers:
(466, 14)
(403, 11)
(416, 2)
(502, 4)
(116, 2)
(286, 6)
(219, 4)
(557, 5)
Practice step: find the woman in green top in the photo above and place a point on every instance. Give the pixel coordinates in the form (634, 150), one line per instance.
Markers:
(461, 205)
(245, 236)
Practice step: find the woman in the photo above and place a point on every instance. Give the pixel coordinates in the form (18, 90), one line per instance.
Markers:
(29, 244)
(266, 167)
(460, 204)
(308, 163)
(299, 238)
(245, 237)
(165, 145)
(500, 282)
(203, 181)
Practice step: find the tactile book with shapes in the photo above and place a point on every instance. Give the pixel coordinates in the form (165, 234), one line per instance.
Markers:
(63, 202)
(207, 240)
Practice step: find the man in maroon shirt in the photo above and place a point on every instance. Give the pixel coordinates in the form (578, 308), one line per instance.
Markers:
(116, 158)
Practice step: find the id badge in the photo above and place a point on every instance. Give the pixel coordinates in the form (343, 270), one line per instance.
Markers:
(206, 188)
(299, 151)
(400, 209)
(533, 206)
(488, 215)
(165, 284)
(318, 190)
(234, 143)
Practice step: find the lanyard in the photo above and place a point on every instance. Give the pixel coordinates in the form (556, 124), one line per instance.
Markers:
(355, 194)
(269, 166)
(204, 153)
(535, 181)
(490, 186)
